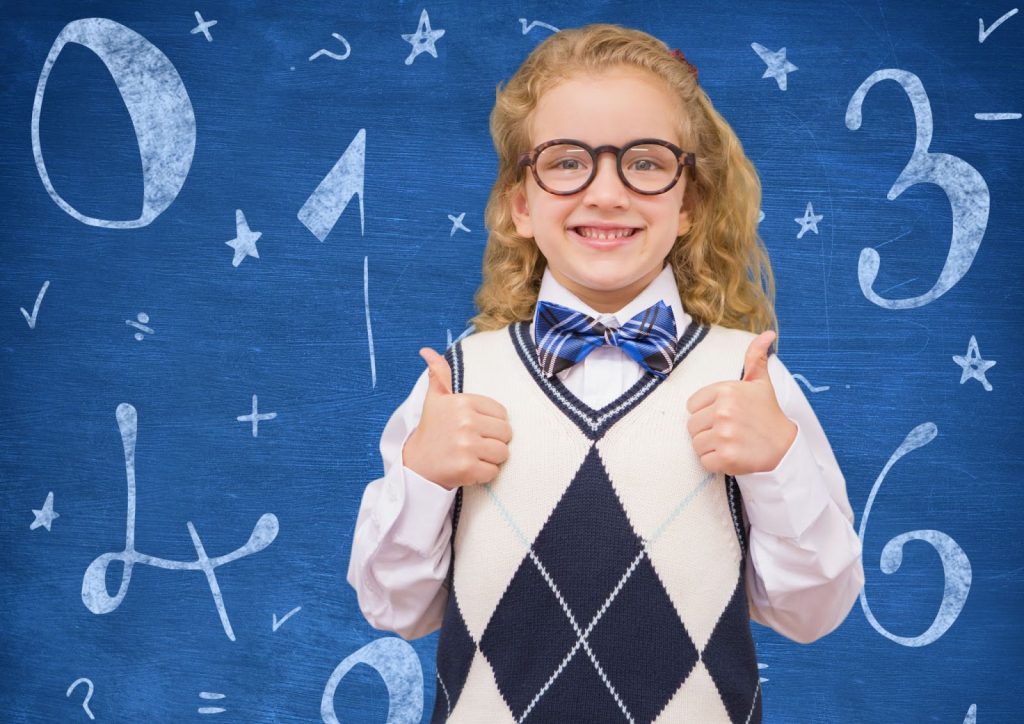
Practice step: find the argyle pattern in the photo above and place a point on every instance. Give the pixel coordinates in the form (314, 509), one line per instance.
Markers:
(600, 576)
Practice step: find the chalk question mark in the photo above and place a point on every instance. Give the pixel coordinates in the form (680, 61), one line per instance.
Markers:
(88, 694)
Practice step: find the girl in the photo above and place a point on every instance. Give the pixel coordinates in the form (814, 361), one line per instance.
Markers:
(594, 493)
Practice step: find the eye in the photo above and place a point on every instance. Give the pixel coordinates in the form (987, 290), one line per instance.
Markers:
(564, 159)
(646, 164)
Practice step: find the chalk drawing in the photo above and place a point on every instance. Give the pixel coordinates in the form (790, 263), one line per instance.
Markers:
(35, 309)
(997, 116)
(457, 224)
(94, 582)
(760, 666)
(322, 209)
(964, 187)
(277, 624)
(203, 27)
(211, 696)
(46, 516)
(535, 24)
(255, 417)
(760, 216)
(245, 240)
(161, 113)
(974, 367)
(329, 54)
(777, 65)
(423, 39)
(983, 33)
(143, 320)
(398, 664)
(972, 715)
(369, 327)
(88, 694)
(956, 567)
(808, 385)
(809, 221)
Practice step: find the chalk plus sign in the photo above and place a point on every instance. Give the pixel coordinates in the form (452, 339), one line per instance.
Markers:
(457, 223)
(204, 27)
(255, 417)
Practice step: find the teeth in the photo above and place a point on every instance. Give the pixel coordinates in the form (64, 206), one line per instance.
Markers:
(592, 233)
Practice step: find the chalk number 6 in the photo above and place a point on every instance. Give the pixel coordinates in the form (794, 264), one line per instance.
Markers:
(964, 186)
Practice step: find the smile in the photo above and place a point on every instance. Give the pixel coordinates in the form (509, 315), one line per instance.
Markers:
(604, 239)
(601, 234)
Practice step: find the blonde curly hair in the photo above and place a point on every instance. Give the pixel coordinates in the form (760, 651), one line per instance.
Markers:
(720, 264)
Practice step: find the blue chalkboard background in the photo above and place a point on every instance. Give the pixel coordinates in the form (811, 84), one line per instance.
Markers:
(320, 336)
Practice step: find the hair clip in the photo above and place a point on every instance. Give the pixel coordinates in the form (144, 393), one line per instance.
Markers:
(678, 55)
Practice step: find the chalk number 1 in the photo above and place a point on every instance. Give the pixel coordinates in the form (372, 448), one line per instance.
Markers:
(964, 186)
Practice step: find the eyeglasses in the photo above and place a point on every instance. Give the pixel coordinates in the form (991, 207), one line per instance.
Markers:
(648, 166)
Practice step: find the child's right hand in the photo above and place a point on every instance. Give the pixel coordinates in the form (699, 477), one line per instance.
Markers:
(461, 438)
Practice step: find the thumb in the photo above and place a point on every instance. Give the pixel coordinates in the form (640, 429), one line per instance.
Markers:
(439, 371)
(755, 364)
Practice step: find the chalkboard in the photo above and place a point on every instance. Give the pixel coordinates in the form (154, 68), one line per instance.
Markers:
(229, 226)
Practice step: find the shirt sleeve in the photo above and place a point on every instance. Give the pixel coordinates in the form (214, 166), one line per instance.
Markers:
(804, 568)
(401, 545)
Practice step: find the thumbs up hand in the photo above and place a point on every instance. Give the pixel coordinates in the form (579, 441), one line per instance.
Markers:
(737, 427)
(461, 438)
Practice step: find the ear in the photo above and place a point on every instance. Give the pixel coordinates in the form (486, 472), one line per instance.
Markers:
(520, 208)
(684, 222)
(689, 202)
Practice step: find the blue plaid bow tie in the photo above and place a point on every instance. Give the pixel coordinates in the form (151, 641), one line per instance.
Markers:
(565, 336)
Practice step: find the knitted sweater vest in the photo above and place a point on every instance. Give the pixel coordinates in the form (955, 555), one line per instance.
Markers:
(600, 576)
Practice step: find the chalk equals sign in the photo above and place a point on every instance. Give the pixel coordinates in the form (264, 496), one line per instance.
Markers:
(997, 116)
(210, 709)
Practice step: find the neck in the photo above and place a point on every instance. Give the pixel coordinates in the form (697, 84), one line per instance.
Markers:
(606, 301)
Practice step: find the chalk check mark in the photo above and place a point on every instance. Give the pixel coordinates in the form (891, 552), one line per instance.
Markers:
(982, 33)
(278, 624)
(35, 310)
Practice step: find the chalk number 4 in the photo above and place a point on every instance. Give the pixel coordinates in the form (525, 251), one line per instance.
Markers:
(964, 186)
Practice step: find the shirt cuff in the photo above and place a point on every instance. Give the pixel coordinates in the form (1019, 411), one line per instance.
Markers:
(787, 500)
(424, 513)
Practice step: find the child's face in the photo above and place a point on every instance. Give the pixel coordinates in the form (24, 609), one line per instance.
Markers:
(614, 108)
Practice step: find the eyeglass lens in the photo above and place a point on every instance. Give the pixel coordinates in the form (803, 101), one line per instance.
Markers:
(567, 167)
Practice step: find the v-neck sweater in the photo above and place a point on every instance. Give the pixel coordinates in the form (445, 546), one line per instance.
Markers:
(600, 575)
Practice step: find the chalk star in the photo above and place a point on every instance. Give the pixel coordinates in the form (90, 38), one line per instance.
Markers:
(423, 39)
(45, 516)
(457, 223)
(244, 242)
(973, 365)
(809, 221)
(777, 64)
(203, 27)
(255, 418)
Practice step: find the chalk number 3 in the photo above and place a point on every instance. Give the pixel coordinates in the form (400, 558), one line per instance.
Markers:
(964, 186)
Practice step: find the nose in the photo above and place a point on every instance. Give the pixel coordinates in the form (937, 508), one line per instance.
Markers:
(607, 188)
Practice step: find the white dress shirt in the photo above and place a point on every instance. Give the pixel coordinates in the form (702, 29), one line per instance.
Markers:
(804, 568)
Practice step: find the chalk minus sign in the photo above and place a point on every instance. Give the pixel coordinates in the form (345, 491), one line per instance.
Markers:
(997, 116)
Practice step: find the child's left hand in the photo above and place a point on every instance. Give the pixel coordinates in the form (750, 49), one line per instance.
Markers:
(737, 426)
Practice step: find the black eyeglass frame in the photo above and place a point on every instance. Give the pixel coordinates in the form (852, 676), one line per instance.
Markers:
(683, 159)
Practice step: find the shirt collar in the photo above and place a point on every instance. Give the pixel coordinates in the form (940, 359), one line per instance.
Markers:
(662, 288)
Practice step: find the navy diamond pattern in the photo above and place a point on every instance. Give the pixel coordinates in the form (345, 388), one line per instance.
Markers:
(636, 640)
(729, 667)
(453, 667)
